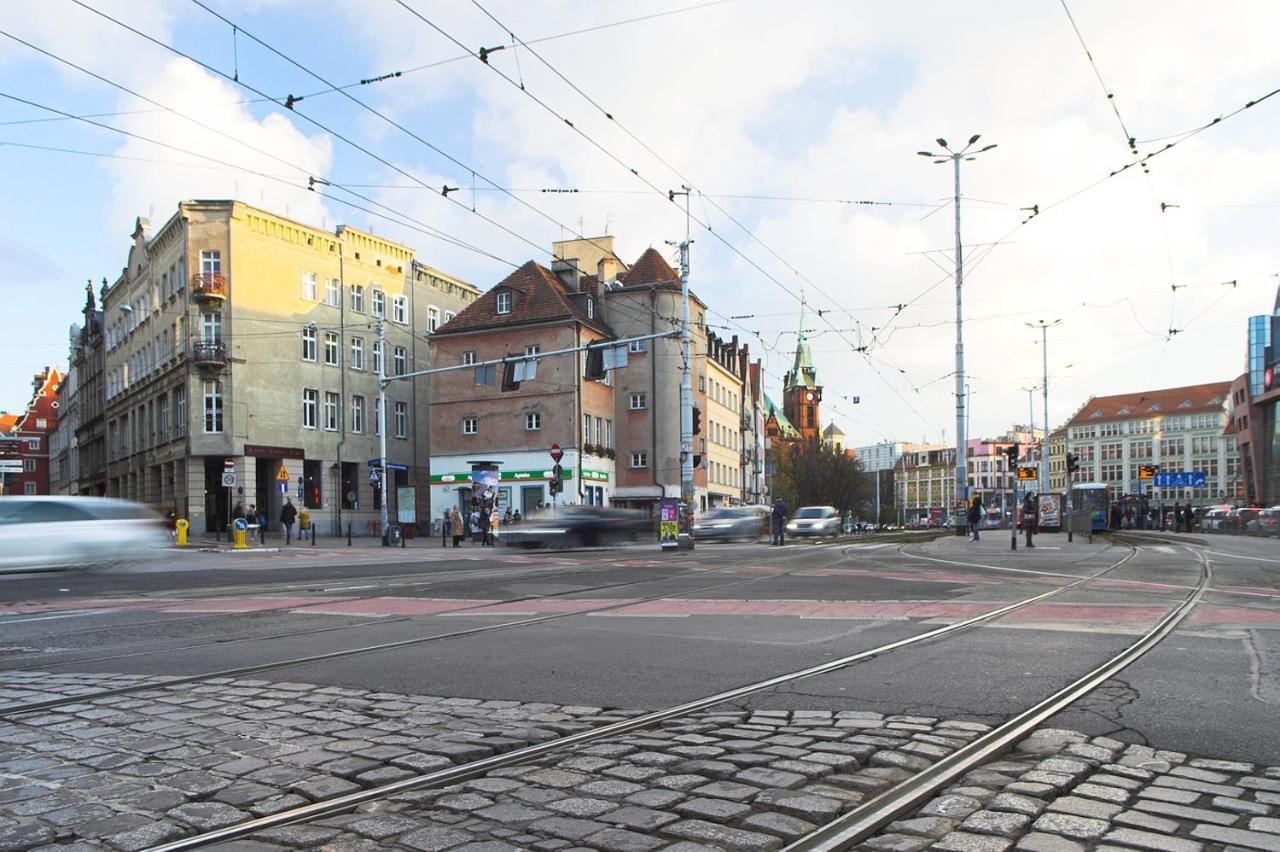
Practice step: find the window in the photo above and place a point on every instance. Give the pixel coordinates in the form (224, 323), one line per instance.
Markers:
(1170, 447)
(702, 383)
(636, 346)
(433, 318)
(1112, 452)
(357, 353)
(377, 420)
(586, 428)
(179, 412)
(331, 348)
(377, 357)
(399, 309)
(639, 460)
(531, 350)
(608, 434)
(401, 359)
(210, 263)
(310, 402)
(211, 328)
(469, 426)
(468, 358)
(402, 419)
(448, 315)
(591, 308)
(486, 375)
(310, 287)
(357, 415)
(638, 402)
(332, 293)
(309, 343)
(600, 430)
(504, 302)
(357, 298)
(29, 489)
(331, 404)
(212, 407)
(379, 307)
(532, 421)
(28, 465)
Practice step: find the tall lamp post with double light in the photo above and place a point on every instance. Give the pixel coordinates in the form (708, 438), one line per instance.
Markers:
(968, 152)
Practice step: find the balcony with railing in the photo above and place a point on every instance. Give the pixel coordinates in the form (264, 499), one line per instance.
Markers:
(208, 286)
(209, 354)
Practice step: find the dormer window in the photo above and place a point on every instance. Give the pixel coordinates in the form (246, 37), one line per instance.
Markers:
(504, 302)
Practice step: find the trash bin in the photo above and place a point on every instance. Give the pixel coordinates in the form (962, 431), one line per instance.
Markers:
(392, 536)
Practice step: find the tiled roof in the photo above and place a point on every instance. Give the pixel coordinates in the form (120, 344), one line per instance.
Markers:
(1193, 399)
(651, 268)
(8, 422)
(539, 296)
(832, 429)
(770, 408)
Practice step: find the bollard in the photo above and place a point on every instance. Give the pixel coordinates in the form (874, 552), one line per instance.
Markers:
(348, 534)
(238, 531)
(313, 535)
(402, 539)
(180, 532)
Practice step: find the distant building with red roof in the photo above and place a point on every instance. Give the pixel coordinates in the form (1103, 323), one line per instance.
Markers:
(25, 437)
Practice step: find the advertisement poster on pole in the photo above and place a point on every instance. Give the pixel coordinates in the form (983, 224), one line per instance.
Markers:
(484, 486)
(669, 522)
(407, 505)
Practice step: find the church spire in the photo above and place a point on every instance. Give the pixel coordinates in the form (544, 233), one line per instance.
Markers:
(803, 373)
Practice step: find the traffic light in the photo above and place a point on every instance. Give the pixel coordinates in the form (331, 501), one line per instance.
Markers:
(697, 458)
(1012, 452)
(1073, 463)
(697, 420)
(557, 480)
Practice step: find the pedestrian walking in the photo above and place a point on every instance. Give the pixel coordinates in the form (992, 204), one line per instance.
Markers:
(778, 522)
(976, 513)
(455, 526)
(1030, 516)
(288, 515)
(446, 528)
(1177, 517)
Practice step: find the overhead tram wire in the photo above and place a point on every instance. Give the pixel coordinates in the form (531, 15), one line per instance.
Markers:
(420, 227)
(283, 104)
(401, 73)
(859, 347)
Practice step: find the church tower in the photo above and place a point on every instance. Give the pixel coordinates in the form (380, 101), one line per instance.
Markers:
(801, 392)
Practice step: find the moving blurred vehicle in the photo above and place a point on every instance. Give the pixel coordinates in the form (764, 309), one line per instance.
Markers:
(1266, 523)
(1239, 519)
(579, 526)
(814, 520)
(43, 533)
(745, 523)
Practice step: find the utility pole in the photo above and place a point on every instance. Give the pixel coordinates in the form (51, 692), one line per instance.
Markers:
(382, 426)
(962, 460)
(1044, 439)
(686, 373)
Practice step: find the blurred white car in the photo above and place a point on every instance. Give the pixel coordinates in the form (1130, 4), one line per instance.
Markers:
(814, 520)
(41, 533)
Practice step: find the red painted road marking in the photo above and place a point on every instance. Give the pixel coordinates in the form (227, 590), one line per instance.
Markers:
(393, 606)
(246, 604)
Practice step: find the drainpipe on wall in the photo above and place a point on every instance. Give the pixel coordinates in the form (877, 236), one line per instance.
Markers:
(342, 392)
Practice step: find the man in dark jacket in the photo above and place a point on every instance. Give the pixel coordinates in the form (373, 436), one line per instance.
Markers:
(1030, 516)
(288, 515)
(778, 522)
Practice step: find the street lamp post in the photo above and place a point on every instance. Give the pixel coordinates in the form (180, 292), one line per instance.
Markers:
(962, 475)
(1044, 438)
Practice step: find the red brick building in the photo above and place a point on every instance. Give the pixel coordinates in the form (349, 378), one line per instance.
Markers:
(25, 436)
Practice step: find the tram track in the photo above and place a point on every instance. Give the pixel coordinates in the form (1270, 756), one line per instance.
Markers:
(476, 768)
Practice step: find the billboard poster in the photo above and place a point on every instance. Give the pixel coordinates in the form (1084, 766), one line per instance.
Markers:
(669, 520)
(484, 486)
(407, 505)
(1050, 510)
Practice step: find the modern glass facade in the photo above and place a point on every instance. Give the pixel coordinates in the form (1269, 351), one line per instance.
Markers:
(1259, 340)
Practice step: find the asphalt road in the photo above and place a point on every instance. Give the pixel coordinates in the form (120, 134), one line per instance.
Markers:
(666, 628)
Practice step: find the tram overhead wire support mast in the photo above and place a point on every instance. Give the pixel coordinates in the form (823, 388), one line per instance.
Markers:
(686, 371)
(946, 154)
(1044, 385)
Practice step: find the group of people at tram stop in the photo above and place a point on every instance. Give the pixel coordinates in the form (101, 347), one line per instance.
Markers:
(257, 521)
(1030, 512)
(481, 525)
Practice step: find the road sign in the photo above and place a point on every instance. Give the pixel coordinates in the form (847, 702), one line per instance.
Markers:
(282, 475)
(1148, 471)
(375, 475)
(284, 487)
(1027, 473)
(228, 464)
(10, 465)
(228, 479)
(1181, 479)
(556, 453)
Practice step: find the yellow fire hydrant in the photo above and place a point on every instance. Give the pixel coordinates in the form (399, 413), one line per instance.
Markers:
(180, 527)
(239, 528)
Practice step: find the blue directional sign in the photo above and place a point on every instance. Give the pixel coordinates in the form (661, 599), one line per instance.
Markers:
(1181, 479)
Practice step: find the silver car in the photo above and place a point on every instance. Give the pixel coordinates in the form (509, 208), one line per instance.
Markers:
(815, 521)
(43, 533)
(746, 523)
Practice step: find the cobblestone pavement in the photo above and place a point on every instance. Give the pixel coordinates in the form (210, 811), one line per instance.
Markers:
(138, 770)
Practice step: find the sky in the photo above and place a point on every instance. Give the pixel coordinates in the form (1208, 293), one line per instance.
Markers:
(796, 126)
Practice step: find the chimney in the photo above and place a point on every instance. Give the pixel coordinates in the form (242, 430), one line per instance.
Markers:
(566, 270)
(606, 271)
